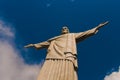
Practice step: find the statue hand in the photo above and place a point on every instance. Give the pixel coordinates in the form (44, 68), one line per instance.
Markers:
(29, 45)
(102, 24)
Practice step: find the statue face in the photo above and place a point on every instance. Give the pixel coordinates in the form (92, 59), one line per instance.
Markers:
(65, 30)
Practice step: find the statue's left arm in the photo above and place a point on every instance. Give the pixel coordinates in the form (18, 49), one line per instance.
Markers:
(83, 35)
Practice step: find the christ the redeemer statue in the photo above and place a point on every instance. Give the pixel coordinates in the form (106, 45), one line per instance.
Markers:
(61, 59)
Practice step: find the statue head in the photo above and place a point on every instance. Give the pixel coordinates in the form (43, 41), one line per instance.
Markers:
(65, 30)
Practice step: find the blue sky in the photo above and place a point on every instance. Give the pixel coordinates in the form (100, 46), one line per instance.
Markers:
(39, 20)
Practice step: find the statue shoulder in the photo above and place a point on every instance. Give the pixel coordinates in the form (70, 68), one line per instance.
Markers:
(53, 38)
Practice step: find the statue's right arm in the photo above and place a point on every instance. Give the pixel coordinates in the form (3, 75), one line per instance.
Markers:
(38, 45)
(29, 45)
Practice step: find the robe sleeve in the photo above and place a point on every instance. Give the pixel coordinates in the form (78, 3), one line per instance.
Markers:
(83, 35)
(44, 44)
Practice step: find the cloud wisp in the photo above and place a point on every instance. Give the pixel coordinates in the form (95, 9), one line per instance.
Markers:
(113, 76)
(12, 66)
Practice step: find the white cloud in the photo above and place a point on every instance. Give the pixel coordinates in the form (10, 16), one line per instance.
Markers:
(113, 76)
(12, 66)
(6, 31)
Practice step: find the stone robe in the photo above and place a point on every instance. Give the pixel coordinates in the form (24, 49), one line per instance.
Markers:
(62, 56)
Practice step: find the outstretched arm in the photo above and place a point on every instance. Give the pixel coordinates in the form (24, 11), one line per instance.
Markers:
(38, 45)
(29, 45)
(101, 25)
(83, 35)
